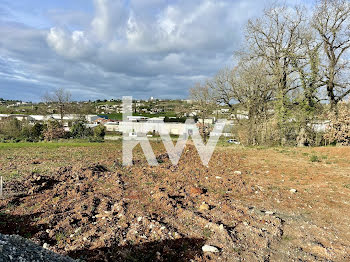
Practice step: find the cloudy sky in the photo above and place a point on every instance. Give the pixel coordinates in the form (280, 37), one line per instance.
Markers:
(110, 48)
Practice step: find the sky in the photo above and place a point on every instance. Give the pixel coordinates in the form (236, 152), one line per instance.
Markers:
(104, 49)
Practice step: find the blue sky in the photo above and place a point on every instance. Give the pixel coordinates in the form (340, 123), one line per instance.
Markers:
(111, 48)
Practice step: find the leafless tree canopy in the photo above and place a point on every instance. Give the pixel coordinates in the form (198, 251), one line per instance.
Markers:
(331, 20)
(61, 97)
(203, 96)
(293, 61)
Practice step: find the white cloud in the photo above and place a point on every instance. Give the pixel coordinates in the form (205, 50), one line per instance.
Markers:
(116, 30)
(140, 48)
(75, 45)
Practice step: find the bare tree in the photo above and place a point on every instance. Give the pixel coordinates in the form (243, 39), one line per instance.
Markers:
(222, 87)
(246, 89)
(254, 89)
(274, 38)
(61, 97)
(331, 20)
(203, 98)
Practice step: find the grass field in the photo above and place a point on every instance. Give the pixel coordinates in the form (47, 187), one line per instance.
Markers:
(281, 204)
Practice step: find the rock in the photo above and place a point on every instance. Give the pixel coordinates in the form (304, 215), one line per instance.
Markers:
(293, 191)
(269, 212)
(212, 249)
(196, 191)
(218, 177)
(16, 248)
(204, 206)
(237, 173)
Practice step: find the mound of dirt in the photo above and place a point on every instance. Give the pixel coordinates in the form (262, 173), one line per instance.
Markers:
(94, 214)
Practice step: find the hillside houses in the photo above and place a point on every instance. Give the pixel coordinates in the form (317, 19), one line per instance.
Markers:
(32, 119)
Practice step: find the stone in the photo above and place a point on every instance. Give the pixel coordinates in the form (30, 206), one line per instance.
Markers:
(204, 206)
(293, 191)
(196, 191)
(46, 245)
(237, 173)
(208, 248)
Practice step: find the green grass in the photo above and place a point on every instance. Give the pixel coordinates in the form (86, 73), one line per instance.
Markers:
(48, 144)
(314, 158)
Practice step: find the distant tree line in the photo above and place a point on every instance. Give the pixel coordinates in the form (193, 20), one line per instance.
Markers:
(293, 72)
(13, 130)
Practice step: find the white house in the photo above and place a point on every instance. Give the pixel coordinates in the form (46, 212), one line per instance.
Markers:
(91, 118)
(137, 118)
(143, 128)
(3, 116)
(112, 126)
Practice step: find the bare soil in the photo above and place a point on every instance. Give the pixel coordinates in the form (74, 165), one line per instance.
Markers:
(253, 204)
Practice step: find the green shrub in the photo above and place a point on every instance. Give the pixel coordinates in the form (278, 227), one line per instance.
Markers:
(314, 158)
(99, 131)
(79, 130)
(37, 131)
(11, 129)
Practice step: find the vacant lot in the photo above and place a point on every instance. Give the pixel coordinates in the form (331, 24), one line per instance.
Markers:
(253, 204)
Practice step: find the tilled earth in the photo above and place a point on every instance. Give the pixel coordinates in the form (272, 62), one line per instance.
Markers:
(88, 206)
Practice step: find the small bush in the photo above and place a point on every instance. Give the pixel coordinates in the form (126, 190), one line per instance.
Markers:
(79, 130)
(11, 129)
(37, 131)
(314, 158)
(338, 131)
(54, 131)
(100, 132)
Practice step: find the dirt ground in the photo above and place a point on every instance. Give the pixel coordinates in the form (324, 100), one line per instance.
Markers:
(252, 204)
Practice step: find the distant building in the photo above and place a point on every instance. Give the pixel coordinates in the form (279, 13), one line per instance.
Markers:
(3, 116)
(112, 126)
(208, 121)
(137, 118)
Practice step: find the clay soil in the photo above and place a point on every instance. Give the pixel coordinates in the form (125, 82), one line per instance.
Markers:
(252, 204)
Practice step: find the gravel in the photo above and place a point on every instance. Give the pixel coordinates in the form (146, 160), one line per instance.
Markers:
(19, 249)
